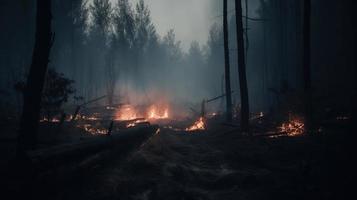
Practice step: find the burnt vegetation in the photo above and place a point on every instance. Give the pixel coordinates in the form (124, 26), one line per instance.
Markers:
(96, 102)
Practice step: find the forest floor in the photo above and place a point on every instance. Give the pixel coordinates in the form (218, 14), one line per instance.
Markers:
(219, 163)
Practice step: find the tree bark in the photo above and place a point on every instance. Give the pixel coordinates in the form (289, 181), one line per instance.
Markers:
(306, 63)
(241, 68)
(227, 63)
(27, 133)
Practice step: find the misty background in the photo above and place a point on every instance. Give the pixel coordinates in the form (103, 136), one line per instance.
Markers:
(169, 50)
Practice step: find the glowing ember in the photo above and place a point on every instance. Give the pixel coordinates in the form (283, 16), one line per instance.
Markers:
(198, 125)
(53, 120)
(135, 123)
(92, 130)
(294, 127)
(90, 118)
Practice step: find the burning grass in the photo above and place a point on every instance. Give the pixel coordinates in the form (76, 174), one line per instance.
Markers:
(199, 125)
(294, 127)
(153, 112)
(96, 121)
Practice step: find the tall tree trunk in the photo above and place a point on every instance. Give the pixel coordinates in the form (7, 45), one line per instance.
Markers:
(241, 68)
(354, 106)
(227, 63)
(27, 138)
(284, 50)
(306, 63)
(265, 58)
(246, 31)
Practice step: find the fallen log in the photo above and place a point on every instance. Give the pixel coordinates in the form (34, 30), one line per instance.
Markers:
(122, 142)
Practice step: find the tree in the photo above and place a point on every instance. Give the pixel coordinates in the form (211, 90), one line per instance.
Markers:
(195, 54)
(263, 14)
(306, 63)
(241, 68)
(123, 38)
(226, 63)
(111, 75)
(172, 46)
(215, 58)
(144, 28)
(27, 138)
(57, 91)
(79, 15)
(124, 28)
(101, 12)
(144, 41)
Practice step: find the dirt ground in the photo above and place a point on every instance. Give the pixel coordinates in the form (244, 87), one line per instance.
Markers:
(220, 163)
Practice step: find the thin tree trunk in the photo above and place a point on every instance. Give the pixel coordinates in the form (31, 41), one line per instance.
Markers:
(241, 68)
(297, 41)
(265, 58)
(246, 31)
(27, 138)
(226, 63)
(306, 63)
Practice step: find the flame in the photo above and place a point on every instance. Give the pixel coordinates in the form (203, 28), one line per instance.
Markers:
(130, 113)
(198, 125)
(154, 113)
(294, 127)
(126, 113)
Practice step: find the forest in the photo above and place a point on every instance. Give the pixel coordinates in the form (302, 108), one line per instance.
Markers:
(168, 99)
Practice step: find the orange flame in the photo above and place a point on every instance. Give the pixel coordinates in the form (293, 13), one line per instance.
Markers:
(198, 125)
(126, 113)
(154, 113)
